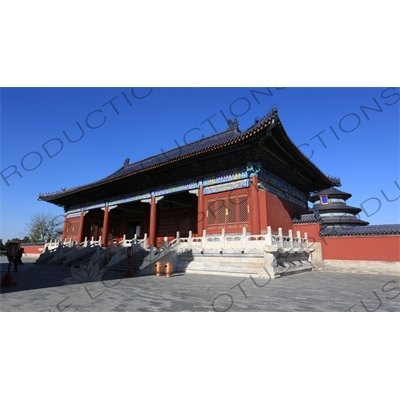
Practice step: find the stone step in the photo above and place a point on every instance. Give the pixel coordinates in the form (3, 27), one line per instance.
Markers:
(294, 267)
(136, 261)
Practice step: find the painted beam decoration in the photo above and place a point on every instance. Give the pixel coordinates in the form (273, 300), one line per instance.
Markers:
(74, 215)
(279, 187)
(86, 207)
(221, 182)
(124, 199)
(130, 199)
(243, 183)
(177, 188)
(236, 175)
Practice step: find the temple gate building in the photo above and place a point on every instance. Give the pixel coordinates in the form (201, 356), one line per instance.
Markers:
(230, 180)
(254, 182)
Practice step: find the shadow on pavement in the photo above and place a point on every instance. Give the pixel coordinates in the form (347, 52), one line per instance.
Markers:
(35, 276)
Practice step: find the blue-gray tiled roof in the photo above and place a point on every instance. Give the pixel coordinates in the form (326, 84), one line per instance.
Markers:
(232, 136)
(388, 229)
(306, 219)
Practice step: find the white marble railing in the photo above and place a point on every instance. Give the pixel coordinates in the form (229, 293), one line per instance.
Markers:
(70, 250)
(244, 241)
(220, 242)
(156, 254)
(119, 252)
(55, 244)
(130, 242)
(67, 251)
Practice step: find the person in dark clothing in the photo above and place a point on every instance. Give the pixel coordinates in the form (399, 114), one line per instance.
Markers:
(18, 259)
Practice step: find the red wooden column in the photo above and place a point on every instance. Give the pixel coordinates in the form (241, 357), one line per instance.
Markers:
(201, 215)
(254, 206)
(153, 225)
(153, 218)
(104, 232)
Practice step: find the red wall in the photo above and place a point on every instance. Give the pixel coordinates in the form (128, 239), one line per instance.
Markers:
(280, 212)
(373, 248)
(311, 229)
(71, 228)
(32, 248)
(368, 248)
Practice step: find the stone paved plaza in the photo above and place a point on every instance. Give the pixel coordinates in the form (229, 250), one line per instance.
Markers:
(62, 289)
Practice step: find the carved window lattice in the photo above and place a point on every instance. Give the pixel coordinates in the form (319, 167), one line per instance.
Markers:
(231, 209)
(221, 210)
(228, 211)
(243, 209)
(211, 213)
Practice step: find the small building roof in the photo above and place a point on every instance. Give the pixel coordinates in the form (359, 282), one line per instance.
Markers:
(340, 207)
(331, 192)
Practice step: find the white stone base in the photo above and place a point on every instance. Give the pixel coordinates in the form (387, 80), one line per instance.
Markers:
(262, 265)
(361, 266)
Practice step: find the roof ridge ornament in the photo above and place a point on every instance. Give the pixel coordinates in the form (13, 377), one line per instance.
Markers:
(253, 169)
(335, 179)
(233, 126)
(126, 162)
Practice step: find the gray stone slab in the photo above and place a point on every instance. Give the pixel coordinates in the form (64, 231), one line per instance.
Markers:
(43, 288)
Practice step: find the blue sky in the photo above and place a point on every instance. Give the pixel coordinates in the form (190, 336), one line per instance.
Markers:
(332, 126)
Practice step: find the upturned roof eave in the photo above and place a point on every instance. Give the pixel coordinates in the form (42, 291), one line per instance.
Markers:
(331, 192)
(106, 181)
(298, 157)
(336, 207)
(268, 121)
(240, 136)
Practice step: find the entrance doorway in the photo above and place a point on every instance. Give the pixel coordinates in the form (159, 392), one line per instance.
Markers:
(132, 228)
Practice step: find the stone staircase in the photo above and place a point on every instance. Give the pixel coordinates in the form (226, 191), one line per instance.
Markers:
(149, 266)
(136, 261)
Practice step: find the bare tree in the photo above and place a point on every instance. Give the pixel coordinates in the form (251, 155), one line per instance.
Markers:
(44, 227)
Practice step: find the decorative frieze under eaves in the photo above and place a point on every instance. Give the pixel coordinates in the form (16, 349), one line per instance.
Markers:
(223, 181)
(275, 185)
